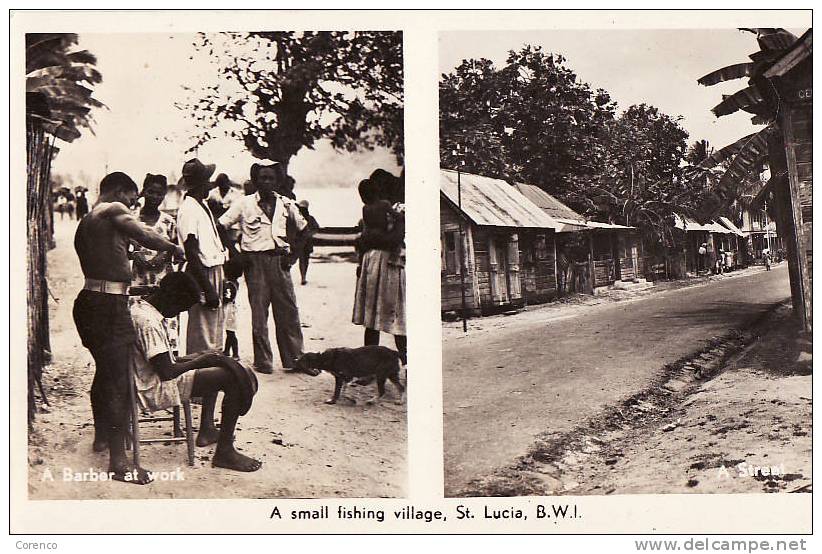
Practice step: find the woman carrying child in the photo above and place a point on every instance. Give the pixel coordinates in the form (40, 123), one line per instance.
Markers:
(379, 300)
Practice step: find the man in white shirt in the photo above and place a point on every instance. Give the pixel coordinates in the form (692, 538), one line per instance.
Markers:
(268, 223)
(205, 254)
(222, 196)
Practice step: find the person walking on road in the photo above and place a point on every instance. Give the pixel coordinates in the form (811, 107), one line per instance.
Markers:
(305, 246)
(82, 204)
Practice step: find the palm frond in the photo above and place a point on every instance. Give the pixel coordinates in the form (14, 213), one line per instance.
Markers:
(82, 56)
(736, 71)
(746, 99)
(725, 153)
(749, 158)
(58, 83)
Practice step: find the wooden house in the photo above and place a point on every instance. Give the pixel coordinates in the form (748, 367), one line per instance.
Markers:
(614, 252)
(715, 237)
(723, 243)
(735, 245)
(498, 248)
(760, 232)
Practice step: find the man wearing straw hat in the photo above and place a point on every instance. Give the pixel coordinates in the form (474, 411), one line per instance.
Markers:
(205, 253)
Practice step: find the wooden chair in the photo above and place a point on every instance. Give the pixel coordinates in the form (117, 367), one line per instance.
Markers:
(133, 439)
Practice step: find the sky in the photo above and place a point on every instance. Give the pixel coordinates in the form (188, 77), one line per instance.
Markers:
(142, 131)
(657, 67)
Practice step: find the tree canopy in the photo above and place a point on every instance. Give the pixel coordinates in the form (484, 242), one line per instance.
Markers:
(282, 91)
(534, 120)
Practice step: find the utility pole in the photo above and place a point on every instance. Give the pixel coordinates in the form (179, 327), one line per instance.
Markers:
(461, 251)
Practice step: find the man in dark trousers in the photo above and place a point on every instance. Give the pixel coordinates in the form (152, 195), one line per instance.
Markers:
(305, 245)
(267, 220)
(101, 311)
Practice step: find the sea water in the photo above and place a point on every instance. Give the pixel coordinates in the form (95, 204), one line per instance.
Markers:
(332, 206)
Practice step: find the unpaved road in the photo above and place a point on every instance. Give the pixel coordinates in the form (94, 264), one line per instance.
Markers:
(308, 449)
(512, 381)
(748, 430)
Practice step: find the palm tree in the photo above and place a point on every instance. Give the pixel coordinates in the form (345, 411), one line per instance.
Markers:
(59, 101)
(746, 157)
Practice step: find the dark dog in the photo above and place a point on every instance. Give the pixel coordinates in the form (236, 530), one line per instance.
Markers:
(346, 364)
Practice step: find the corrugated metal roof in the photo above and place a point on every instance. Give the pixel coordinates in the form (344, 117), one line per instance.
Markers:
(572, 226)
(493, 202)
(688, 224)
(548, 203)
(729, 224)
(717, 228)
(571, 221)
(601, 225)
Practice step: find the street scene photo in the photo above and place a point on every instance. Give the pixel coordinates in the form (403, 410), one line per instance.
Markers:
(216, 265)
(626, 243)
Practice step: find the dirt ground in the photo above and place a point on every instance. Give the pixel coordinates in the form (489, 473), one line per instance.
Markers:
(535, 379)
(308, 449)
(743, 427)
(747, 430)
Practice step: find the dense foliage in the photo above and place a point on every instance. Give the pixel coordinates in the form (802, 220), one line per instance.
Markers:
(279, 92)
(533, 120)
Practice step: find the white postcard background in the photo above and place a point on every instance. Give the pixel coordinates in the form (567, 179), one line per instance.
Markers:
(749, 513)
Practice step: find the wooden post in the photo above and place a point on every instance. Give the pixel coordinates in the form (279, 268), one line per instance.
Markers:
(592, 274)
(804, 280)
(462, 252)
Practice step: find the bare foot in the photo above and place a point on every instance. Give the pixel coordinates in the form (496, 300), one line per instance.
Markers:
(207, 436)
(130, 474)
(231, 459)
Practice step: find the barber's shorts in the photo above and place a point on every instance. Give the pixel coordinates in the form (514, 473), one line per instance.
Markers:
(103, 320)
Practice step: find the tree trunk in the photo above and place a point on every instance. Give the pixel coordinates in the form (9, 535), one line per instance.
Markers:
(38, 162)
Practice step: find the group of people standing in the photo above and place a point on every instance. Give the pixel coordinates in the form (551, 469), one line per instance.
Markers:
(220, 235)
(67, 204)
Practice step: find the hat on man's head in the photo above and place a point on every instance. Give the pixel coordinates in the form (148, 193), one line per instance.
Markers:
(195, 171)
(303, 203)
(388, 186)
(159, 179)
(256, 168)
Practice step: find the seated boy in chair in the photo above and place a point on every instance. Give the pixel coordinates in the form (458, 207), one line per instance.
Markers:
(163, 381)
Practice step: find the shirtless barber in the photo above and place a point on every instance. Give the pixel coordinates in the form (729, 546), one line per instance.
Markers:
(101, 311)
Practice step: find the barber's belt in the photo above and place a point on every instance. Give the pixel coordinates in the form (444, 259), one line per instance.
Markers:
(108, 287)
(275, 252)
